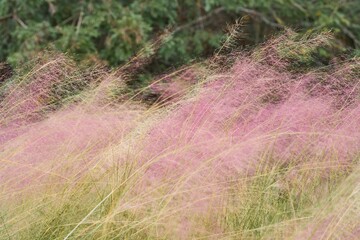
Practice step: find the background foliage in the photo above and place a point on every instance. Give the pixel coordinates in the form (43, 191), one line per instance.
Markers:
(112, 31)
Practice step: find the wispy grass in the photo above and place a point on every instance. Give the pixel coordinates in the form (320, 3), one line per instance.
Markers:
(254, 150)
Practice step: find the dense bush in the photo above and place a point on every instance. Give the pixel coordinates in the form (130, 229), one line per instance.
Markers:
(114, 30)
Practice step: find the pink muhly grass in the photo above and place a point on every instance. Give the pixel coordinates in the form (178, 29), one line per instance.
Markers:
(178, 162)
(245, 111)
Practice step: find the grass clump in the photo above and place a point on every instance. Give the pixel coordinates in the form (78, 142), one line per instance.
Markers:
(246, 151)
(278, 200)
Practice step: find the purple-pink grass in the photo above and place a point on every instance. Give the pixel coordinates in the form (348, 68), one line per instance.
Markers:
(251, 106)
(214, 128)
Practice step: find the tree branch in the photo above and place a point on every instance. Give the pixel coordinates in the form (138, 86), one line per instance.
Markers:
(198, 20)
(263, 18)
(5, 17)
(20, 21)
(248, 11)
(351, 36)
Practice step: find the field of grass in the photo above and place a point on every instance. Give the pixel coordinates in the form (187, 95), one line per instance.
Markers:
(249, 145)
